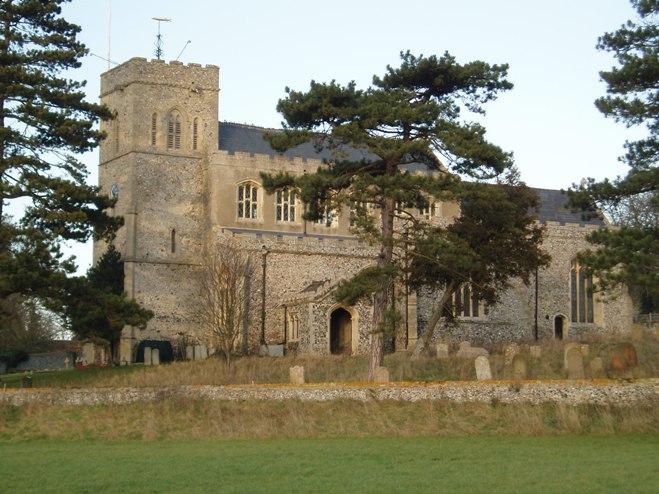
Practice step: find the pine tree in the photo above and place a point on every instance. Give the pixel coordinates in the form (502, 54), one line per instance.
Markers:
(629, 255)
(410, 117)
(44, 122)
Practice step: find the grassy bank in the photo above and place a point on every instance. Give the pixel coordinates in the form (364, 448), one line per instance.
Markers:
(446, 464)
(201, 420)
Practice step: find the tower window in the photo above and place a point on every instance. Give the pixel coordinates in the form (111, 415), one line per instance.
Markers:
(195, 128)
(174, 130)
(173, 242)
(154, 128)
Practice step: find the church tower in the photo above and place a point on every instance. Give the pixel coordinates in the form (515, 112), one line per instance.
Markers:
(155, 160)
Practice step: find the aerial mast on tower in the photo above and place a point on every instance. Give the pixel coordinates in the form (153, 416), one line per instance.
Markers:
(159, 51)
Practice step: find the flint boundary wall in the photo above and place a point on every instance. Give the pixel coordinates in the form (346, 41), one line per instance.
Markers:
(597, 392)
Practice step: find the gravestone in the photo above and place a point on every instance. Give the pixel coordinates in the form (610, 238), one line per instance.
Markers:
(147, 355)
(585, 350)
(483, 370)
(618, 363)
(566, 348)
(535, 351)
(520, 368)
(469, 352)
(189, 352)
(155, 356)
(296, 374)
(638, 332)
(575, 368)
(381, 375)
(629, 352)
(509, 352)
(442, 351)
(596, 366)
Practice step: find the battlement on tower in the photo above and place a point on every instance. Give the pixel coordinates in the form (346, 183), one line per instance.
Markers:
(192, 76)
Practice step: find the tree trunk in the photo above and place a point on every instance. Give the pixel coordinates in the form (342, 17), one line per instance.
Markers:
(424, 342)
(380, 298)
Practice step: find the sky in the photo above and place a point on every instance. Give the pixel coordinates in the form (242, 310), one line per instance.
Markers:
(548, 120)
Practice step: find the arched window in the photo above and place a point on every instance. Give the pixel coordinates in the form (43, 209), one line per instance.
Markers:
(581, 294)
(195, 133)
(248, 196)
(154, 128)
(172, 245)
(466, 304)
(285, 206)
(174, 130)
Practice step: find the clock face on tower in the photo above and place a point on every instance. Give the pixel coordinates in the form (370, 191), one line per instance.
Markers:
(114, 191)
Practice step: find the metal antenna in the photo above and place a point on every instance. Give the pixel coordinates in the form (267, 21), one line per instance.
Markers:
(159, 52)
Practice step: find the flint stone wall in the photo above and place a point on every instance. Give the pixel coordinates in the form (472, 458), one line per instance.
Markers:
(533, 392)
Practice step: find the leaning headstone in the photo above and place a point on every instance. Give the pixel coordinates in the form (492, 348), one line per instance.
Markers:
(381, 375)
(483, 370)
(509, 352)
(520, 368)
(147, 355)
(67, 363)
(596, 366)
(535, 351)
(442, 351)
(155, 356)
(575, 368)
(296, 374)
(468, 352)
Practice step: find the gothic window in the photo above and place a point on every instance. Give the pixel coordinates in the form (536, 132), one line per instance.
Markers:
(357, 209)
(466, 305)
(429, 211)
(174, 130)
(326, 217)
(172, 246)
(154, 128)
(248, 194)
(581, 283)
(293, 327)
(195, 133)
(285, 205)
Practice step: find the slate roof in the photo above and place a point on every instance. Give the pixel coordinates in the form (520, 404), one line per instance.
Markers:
(249, 139)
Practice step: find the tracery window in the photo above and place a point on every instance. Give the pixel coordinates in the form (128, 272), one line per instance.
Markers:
(357, 209)
(174, 130)
(581, 294)
(466, 305)
(248, 195)
(429, 211)
(293, 327)
(285, 206)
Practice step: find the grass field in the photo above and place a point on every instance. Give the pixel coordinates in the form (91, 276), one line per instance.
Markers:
(475, 464)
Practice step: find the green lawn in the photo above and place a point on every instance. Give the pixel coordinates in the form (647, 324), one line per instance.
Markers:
(429, 464)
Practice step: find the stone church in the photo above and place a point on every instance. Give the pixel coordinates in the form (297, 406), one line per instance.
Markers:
(183, 181)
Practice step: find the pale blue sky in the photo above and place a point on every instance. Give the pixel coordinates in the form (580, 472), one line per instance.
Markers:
(548, 120)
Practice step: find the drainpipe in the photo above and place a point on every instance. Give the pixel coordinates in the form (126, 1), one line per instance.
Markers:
(535, 327)
(264, 255)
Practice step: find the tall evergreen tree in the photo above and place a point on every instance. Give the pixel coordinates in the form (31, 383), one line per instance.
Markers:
(630, 254)
(96, 305)
(412, 116)
(44, 122)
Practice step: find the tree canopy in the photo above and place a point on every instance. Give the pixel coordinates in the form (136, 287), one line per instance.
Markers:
(409, 119)
(630, 254)
(44, 122)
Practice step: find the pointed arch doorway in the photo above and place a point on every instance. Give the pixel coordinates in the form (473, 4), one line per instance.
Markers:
(559, 327)
(340, 333)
